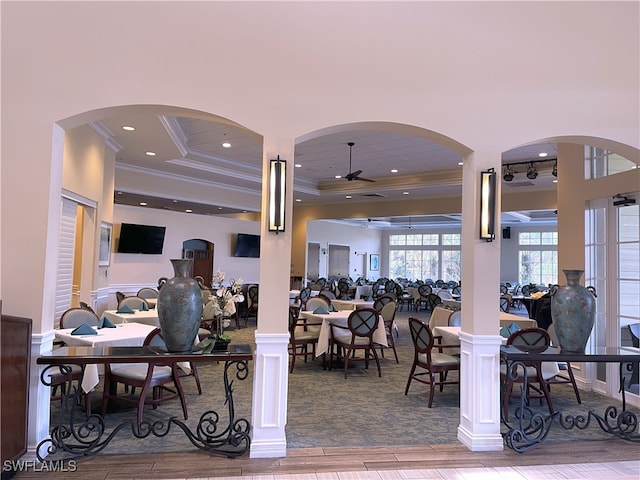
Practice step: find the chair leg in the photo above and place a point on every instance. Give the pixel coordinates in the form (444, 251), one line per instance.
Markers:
(196, 376)
(432, 387)
(573, 383)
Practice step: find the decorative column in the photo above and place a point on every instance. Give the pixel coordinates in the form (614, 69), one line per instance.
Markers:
(271, 373)
(479, 427)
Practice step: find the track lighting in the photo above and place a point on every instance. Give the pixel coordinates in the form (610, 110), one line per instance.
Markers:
(554, 172)
(532, 172)
(508, 173)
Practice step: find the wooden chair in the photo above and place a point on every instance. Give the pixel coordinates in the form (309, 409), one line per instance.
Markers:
(343, 290)
(147, 293)
(356, 336)
(505, 304)
(305, 294)
(388, 314)
(566, 374)
(382, 300)
(528, 339)
(429, 359)
(72, 318)
(133, 302)
(424, 291)
(300, 338)
(433, 300)
(252, 303)
(151, 376)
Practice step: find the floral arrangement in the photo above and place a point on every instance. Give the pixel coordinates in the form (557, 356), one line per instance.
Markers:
(226, 297)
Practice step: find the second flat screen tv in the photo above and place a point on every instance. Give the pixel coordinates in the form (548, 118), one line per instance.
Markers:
(147, 239)
(247, 245)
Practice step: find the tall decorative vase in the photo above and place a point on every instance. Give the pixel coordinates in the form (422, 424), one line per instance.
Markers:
(179, 307)
(573, 310)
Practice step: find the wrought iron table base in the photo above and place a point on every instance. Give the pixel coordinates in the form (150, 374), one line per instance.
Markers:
(533, 428)
(77, 435)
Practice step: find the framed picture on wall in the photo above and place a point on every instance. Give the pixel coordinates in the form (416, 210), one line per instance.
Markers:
(374, 262)
(105, 244)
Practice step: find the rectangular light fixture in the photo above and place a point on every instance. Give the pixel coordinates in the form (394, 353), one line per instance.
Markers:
(488, 205)
(277, 181)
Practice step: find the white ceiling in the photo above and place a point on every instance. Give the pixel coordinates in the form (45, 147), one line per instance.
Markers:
(192, 148)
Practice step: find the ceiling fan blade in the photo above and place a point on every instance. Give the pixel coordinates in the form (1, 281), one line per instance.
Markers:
(363, 179)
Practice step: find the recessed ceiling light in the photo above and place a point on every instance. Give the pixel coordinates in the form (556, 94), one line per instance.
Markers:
(298, 200)
(555, 180)
(219, 208)
(118, 193)
(188, 210)
(394, 170)
(128, 128)
(338, 176)
(175, 201)
(405, 193)
(348, 196)
(150, 154)
(460, 163)
(297, 165)
(226, 145)
(543, 154)
(144, 204)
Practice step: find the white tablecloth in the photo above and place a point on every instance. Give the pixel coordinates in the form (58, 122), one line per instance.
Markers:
(351, 304)
(338, 318)
(148, 317)
(124, 335)
(363, 291)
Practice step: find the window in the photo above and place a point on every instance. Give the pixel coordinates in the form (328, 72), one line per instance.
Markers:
(601, 163)
(420, 256)
(538, 258)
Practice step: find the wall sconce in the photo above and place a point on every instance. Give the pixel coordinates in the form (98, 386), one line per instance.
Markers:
(277, 182)
(488, 205)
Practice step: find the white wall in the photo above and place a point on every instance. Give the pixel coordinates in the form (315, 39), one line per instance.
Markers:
(135, 269)
(360, 240)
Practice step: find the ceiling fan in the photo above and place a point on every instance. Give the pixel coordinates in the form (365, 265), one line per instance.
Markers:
(354, 175)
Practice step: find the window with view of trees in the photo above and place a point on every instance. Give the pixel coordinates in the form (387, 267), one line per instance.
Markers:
(422, 256)
(538, 257)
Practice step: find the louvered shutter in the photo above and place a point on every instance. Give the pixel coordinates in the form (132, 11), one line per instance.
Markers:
(66, 250)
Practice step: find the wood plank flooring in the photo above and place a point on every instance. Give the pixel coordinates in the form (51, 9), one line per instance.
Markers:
(390, 462)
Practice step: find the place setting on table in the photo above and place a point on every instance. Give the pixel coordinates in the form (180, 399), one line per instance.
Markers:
(126, 314)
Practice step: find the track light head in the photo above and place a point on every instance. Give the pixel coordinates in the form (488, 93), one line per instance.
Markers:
(508, 174)
(554, 172)
(532, 172)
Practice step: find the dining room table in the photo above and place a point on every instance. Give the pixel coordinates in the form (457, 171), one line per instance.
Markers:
(147, 317)
(128, 334)
(339, 318)
(351, 304)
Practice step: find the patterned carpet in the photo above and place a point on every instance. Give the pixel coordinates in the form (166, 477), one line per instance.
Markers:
(325, 410)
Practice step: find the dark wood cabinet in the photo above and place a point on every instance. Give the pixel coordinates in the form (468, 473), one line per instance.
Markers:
(15, 353)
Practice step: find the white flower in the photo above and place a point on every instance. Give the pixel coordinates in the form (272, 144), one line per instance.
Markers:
(217, 279)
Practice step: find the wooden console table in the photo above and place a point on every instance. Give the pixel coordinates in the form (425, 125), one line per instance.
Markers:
(78, 435)
(532, 428)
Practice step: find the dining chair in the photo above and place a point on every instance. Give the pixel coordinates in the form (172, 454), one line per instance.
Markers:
(388, 315)
(429, 359)
(317, 302)
(343, 290)
(357, 336)
(566, 374)
(154, 377)
(327, 294)
(300, 338)
(147, 293)
(305, 294)
(252, 303)
(76, 316)
(119, 297)
(133, 302)
(504, 304)
(433, 300)
(527, 340)
(86, 306)
(455, 319)
(445, 295)
(382, 300)
(424, 291)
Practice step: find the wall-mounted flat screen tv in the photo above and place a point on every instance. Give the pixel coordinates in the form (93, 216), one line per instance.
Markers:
(147, 239)
(247, 245)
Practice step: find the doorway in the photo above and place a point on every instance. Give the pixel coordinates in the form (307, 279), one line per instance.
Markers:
(201, 251)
